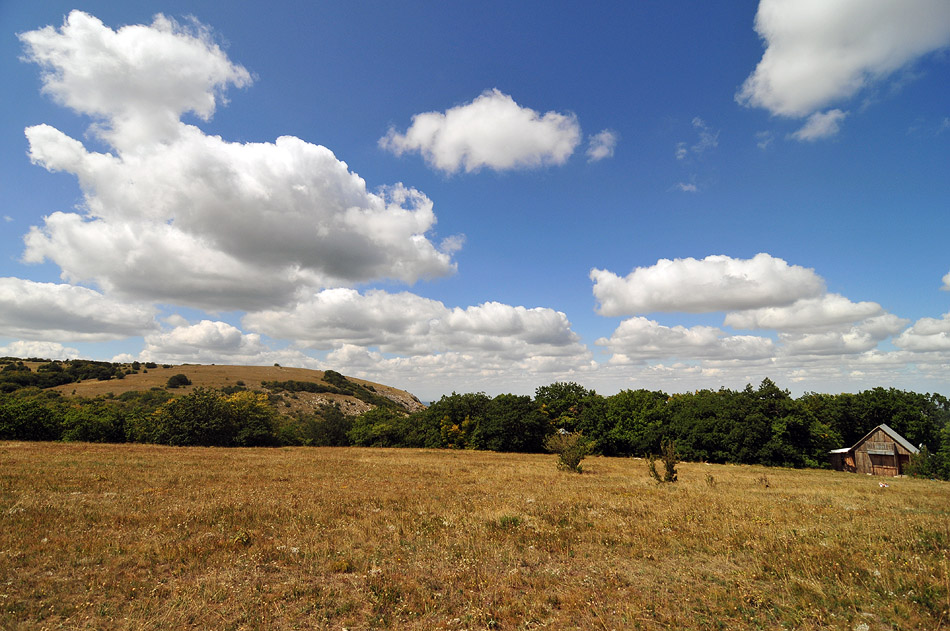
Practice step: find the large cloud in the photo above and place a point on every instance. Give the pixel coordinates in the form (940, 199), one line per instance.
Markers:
(43, 350)
(43, 311)
(408, 324)
(639, 339)
(492, 131)
(807, 314)
(715, 283)
(179, 216)
(858, 338)
(820, 52)
(139, 79)
(927, 334)
(217, 342)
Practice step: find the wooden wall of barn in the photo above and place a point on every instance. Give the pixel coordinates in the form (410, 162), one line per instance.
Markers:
(879, 454)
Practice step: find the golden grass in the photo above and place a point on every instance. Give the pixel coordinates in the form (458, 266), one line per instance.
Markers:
(149, 537)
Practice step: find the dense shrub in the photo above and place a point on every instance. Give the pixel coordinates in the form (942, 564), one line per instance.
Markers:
(209, 418)
(94, 423)
(30, 416)
(176, 381)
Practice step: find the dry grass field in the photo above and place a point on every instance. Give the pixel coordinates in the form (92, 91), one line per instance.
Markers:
(148, 537)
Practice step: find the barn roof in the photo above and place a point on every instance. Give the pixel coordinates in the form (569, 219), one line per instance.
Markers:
(900, 440)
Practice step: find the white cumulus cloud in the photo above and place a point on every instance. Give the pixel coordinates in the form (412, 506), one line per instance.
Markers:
(139, 79)
(44, 350)
(408, 324)
(492, 131)
(41, 311)
(174, 215)
(217, 342)
(927, 334)
(638, 339)
(807, 314)
(819, 52)
(859, 338)
(715, 283)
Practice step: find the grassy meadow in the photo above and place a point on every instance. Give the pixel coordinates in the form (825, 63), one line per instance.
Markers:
(150, 537)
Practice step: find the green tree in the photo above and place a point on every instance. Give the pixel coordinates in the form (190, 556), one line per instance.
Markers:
(636, 419)
(511, 423)
(562, 403)
(31, 414)
(379, 427)
(94, 422)
(206, 417)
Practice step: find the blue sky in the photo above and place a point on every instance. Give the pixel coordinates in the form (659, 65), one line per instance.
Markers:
(483, 196)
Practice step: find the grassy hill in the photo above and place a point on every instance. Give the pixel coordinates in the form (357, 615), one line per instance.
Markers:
(151, 537)
(251, 377)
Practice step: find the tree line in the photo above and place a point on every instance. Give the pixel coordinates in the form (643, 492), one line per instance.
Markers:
(756, 425)
(763, 425)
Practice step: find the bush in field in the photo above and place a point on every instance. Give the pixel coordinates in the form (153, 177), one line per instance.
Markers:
(570, 448)
(178, 380)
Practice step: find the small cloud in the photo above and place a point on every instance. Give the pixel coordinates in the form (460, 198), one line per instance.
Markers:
(491, 131)
(601, 145)
(7, 218)
(820, 125)
(708, 139)
(946, 282)
(944, 125)
(763, 139)
(686, 188)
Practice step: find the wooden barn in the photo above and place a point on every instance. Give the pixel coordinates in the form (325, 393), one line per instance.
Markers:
(882, 452)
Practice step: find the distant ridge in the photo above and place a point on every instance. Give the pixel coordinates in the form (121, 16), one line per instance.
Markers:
(301, 389)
